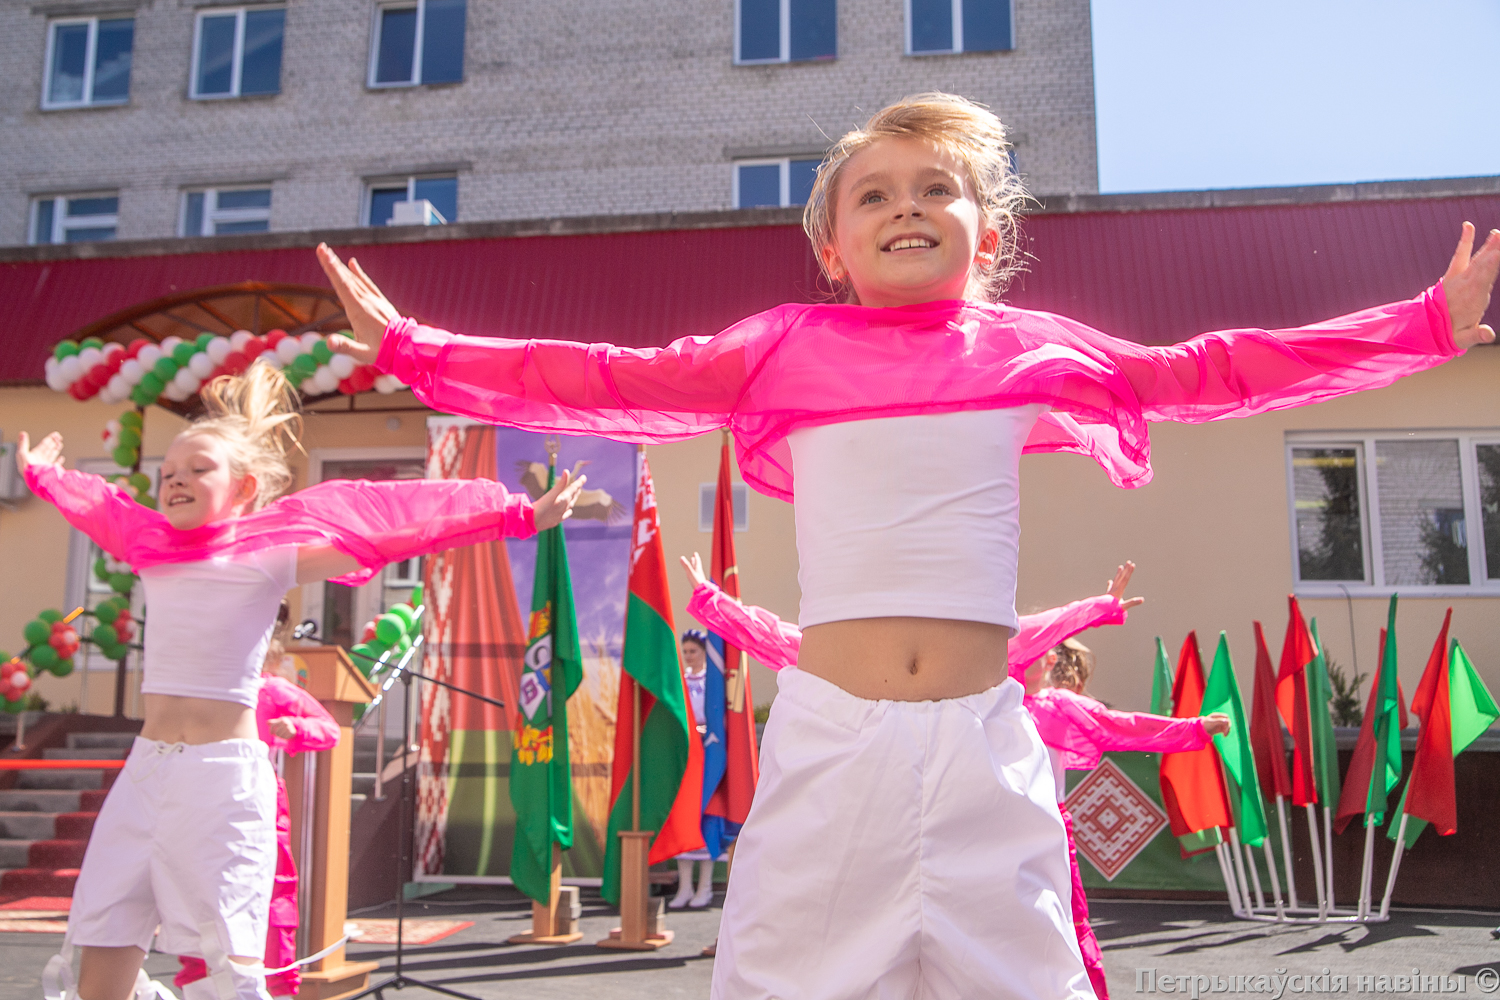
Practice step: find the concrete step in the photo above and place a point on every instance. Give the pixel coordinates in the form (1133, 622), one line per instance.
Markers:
(83, 778)
(119, 741)
(27, 825)
(87, 753)
(15, 853)
(363, 784)
(37, 800)
(39, 881)
(75, 826)
(55, 853)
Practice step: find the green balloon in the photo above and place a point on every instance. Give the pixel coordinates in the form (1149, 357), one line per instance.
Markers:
(116, 653)
(37, 632)
(141, 397)
(121, 583)
(105, 635)
(405, 614)
(129, 437)
(45, 657)
(404, 644)
(62, 668)
(125, 457)
(377, 649)
(305, 363)
(106, 613)
(146, 501)
(152, 384)
(140, 481)
(91, 342)
(165, 369)
(51, 615)
(101, 570)
(16, 707)
(389, 629)
(183, 353)
(64, 349)
(359, 712)
(363, 658)
(418, 596)
(321, 352)
(132, 419)
(202, 342)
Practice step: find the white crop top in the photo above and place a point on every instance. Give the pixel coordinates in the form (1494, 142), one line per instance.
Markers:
(209, 623)
(913, 516)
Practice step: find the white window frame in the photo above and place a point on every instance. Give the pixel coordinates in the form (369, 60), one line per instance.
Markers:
(60, 221)
(239, 49)
(420, 6)
(958, 31)
(389, 182)
(708, 496)
(1367, 470)
(786, 37)
(215, 214)
(88, 64)
(784, 162)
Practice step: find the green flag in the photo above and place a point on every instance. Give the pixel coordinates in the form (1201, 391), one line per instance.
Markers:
(1324, 743)
(1222, 694)
(1161, 682)
(541, 774)
(1386, 771)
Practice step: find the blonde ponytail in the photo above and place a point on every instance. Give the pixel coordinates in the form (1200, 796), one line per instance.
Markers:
(1074, 666)
(256, 416)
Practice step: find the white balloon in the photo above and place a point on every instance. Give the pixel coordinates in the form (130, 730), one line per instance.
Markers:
(324, 380)
(386, 384)
(217, 350)
(118, 387)
(50, 366)
(169, 344)
(112, 348)
(239, 338)
(132, 371)
(55, 381)
(89, 357)
(342, 365)
(309, 340)
(186, 381)
(70, 368)
(173, 393)
(201, 365)
(271, 360)
(149, 355)
(288, 350)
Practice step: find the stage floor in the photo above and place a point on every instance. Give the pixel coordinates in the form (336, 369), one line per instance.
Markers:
(1172, 938)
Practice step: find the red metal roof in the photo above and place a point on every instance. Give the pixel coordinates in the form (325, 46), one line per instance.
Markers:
(1153, 276)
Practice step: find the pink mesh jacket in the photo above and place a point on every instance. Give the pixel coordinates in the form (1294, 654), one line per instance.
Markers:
(806, 365)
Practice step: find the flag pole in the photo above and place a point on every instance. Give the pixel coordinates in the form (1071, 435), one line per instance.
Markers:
(1328, 854)
(1260, 896)
(1286, 849)
(1390, 880)
(1366, 869)
(1239, 869)
(1317, 856)
(1275, 882)
(1226, 870)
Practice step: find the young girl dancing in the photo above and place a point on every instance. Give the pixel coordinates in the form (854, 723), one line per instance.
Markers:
(899, 760)
(186, 838)
(694, 644)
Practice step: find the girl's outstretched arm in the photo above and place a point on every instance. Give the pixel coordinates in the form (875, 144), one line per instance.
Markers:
(650, 394)
(99, 509)
(1084, 729)
(290, 719)
(1035, 634)
(764, 636)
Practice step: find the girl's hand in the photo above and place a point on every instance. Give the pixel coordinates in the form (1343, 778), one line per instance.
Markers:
(1216, 724)
(1467, 286)
(556, 505)
(694, 567)
(47, 452)
(1116, 588)
(283, 728)
(368, 310)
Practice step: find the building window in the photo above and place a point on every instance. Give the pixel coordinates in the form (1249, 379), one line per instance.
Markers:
(774, 182)
(237, 53)
(708, 495)
(1413, 513)
(222, 211)
(75, 218)
(383, 196)
(936, 27)
(420, 42)
(772, 31)
(88, 62)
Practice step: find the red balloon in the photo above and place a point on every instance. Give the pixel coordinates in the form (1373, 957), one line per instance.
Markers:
(346, 386)
(76, 390)
(216, 373)
(135, 347)
(116, 359)
(236, 362)
(363, 378)
(275, 337)
(254, 347)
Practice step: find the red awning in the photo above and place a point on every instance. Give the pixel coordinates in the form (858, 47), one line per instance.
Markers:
(1152, 276)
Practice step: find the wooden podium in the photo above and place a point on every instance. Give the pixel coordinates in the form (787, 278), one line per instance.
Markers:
(332, 678)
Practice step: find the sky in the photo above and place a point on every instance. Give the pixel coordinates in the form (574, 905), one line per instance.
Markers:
(1195, 94)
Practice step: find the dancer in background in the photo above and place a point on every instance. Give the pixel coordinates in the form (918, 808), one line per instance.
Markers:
(289, 721)
(695, 678)
(186, 839)
(895, 422)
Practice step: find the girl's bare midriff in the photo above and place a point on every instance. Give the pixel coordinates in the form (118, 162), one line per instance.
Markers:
(174, 719)
(907, 659)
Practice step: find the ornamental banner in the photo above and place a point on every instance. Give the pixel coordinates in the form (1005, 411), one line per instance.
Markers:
(478, 637)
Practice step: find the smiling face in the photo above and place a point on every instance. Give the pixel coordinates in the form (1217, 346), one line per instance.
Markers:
(198, 485)
(907, 224)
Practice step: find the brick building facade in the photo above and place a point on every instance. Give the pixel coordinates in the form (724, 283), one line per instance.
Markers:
(565, 108)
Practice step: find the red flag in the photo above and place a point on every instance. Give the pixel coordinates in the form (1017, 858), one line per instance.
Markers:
(1192, 788)
(1265, 726)
(731, 799)
(1357, 779)
(1291, 700)
(1430, 793)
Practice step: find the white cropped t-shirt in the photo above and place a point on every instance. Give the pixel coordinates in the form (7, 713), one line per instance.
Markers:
(915, 516)
(209, 623)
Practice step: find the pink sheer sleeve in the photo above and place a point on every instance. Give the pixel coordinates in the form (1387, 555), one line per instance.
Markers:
(99, 509)
(1084, 729)
(765, 637)
(281, 699)
(1038, 633)
(1238, 373)
(629, 394)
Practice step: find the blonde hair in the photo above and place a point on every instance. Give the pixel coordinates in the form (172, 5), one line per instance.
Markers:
(256, 416)
(972, 133)
(1074, 666)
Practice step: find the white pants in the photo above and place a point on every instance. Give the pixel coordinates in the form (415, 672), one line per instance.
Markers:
(187, 840)
(900, 850)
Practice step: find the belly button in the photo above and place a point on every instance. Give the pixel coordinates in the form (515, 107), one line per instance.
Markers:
(912, 669)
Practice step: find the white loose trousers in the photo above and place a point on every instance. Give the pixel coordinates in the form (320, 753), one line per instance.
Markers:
(900, 850)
